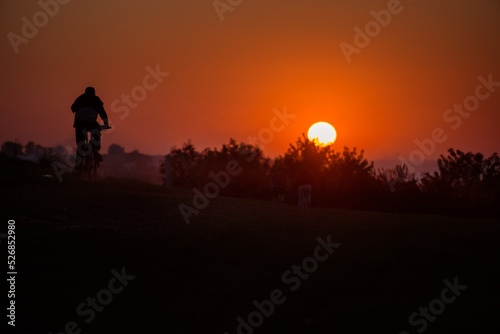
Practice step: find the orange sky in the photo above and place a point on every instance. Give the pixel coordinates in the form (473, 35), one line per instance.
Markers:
(226, 77)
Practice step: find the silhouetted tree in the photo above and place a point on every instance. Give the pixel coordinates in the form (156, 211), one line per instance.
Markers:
(401, 189)
(33, 152)
(115, 149)
(183, 162)
(12, 149)
(340, 178)
(252, 181)
(465, 182)
(304, 154)
(30, 148)
(191, 168)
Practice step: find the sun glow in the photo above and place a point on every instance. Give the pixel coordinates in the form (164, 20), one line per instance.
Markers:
(322, 133)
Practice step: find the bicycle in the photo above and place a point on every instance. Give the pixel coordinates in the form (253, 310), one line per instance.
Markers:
(91, 159)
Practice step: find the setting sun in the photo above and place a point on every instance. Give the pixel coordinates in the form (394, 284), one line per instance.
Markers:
(323, 133)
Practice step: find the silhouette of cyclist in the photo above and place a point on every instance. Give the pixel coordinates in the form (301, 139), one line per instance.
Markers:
(86, 108)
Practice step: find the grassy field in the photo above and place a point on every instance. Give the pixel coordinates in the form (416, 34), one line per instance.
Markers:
(199, 278)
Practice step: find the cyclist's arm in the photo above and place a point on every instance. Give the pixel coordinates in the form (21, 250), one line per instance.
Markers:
(104, 117)
(102, 113)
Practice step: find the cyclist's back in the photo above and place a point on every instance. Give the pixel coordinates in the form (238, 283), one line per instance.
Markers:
(86, 109)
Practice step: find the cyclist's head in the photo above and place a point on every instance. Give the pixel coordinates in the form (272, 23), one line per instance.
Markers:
(90, 90)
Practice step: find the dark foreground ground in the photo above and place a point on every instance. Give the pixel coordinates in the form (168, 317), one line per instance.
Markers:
(200, 278)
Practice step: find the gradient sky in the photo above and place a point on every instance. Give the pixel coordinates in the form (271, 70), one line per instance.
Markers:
(226, 77)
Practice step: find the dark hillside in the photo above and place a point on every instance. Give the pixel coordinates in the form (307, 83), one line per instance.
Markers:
(200, 278)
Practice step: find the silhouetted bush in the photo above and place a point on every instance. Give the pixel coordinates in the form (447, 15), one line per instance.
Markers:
(341, 179)
(12, 149)
(115, 149)
(466, 184)
(191, 168)
(43, 156)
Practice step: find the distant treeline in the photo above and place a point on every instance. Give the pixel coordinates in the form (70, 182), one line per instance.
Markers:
(117, 163)
(44, 156)
(466, 184)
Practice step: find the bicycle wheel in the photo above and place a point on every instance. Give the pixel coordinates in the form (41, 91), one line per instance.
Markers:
(88, 162)
(95, 164)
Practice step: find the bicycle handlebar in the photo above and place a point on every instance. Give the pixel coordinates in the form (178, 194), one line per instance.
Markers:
(104, 127)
